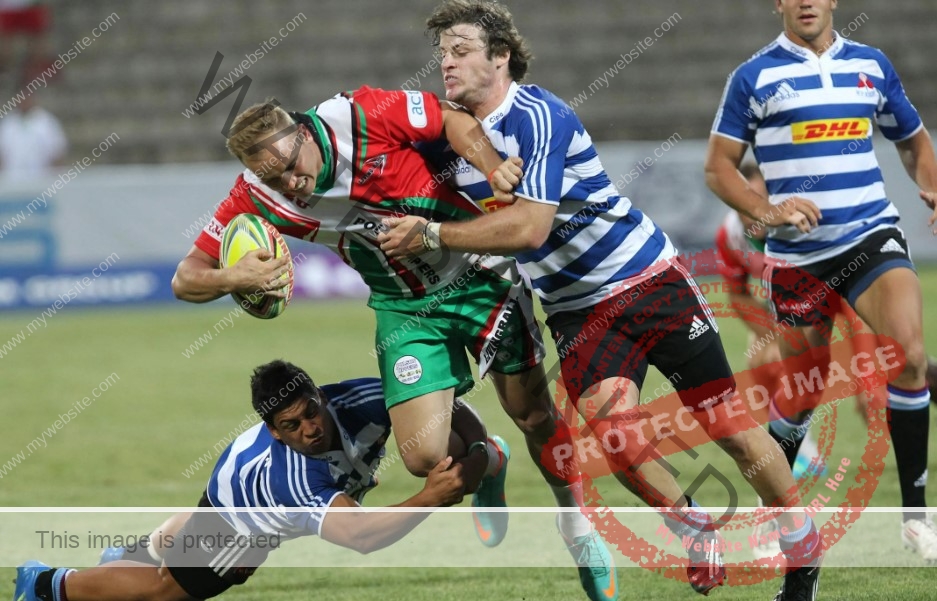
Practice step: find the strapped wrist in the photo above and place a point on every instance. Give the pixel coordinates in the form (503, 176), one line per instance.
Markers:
(431, 235)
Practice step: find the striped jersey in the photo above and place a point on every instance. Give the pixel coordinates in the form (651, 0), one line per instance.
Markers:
(809, 120)
(598, 238)
(371, 170)
(258, 471)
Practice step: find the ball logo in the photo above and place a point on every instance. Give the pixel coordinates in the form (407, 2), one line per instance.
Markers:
(408, 369)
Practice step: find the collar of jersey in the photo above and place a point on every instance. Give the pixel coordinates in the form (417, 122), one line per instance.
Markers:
(786, 43)
(502, 110)
(325, 180)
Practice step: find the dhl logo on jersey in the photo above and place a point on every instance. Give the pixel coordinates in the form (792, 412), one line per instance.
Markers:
(490, 205)
(825, 130)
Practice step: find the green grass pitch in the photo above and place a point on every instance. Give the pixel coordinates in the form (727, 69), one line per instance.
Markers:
(132, 445)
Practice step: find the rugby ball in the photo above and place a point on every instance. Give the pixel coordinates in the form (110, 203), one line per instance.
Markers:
(243, 234)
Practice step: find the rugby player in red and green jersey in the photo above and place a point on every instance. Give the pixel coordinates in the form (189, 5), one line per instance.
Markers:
(329, 176)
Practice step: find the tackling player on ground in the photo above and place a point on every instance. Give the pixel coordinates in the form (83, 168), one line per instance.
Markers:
(317, 448)
(806, 104)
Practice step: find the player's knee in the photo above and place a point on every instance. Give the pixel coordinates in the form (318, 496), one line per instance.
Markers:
(915, 359)
(537, 425)
(420, 461)
(738, 445)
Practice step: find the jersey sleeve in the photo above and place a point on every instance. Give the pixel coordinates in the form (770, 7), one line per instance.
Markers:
(736, 117)
(316, 490)
(320, 508)
(731, 265)
(896, 116)
(406, 116)
(543, 138)
(238, 201)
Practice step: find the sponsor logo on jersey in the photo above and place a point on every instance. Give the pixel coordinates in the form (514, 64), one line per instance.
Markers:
(824, 130)
(426, 269)
(795, 307)
(491, 345)
(490, 205)
(369, 225)
(462, 167)
(865, 82)
(492, 119)
(408, 369)
(373, 164)
(783, 92)
(416, 111)
(215, 229)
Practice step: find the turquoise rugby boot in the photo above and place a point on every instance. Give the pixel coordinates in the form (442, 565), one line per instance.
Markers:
(491, 526)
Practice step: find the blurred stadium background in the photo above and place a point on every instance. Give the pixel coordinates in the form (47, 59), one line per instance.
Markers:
(87, 252)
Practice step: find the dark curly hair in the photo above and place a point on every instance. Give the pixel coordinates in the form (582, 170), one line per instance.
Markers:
(275, 386)
(496, 25)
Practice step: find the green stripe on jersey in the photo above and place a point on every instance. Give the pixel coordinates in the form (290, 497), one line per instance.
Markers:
(433, 208)
(375, 273)
(270, 216)
(326, 178)
(362, 135)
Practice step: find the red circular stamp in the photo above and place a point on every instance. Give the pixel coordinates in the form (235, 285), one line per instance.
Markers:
(854, 362)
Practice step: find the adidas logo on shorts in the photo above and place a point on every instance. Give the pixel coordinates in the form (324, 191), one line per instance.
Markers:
(697, 328)
(892, 247)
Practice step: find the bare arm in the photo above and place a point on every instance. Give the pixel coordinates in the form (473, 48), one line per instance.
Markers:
(199, 279)
(917, 156)
(525, 225)
(467, 138)
(365, 531)
(723, 157)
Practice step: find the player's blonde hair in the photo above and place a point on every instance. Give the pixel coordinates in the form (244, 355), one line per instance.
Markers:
(256, 128)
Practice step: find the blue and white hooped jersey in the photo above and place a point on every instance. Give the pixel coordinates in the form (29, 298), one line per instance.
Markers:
(598, 239)
(809, 120)
(257, 471)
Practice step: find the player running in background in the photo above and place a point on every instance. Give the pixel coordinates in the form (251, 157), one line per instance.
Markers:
(741, 248)
(329, 175)
(587, 249)
(317, 448)
(806, 104)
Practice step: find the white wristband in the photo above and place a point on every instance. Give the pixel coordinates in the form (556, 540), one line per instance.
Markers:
(431, 236)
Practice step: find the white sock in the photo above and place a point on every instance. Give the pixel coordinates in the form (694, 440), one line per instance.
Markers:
(572, 524)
